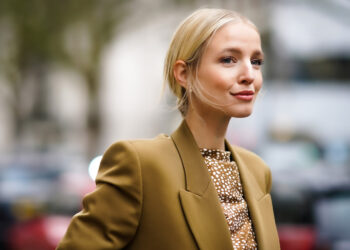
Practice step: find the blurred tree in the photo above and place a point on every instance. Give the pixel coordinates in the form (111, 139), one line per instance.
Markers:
(38, 34)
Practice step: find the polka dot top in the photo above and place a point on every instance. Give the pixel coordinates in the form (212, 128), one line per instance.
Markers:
(225, 176)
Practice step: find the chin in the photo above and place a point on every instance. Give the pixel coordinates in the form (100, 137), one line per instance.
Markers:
(242, 113)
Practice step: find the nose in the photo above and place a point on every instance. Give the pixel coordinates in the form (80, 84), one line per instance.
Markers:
(246, 75)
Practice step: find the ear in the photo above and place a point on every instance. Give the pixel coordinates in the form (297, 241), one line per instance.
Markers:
(180, 71)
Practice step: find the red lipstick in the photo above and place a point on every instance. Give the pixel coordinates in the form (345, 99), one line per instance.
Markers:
(245, 95)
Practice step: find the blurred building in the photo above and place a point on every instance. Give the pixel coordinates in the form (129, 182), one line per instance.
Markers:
(299, 126)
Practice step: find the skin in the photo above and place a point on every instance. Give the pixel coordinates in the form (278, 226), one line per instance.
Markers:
(230, 64)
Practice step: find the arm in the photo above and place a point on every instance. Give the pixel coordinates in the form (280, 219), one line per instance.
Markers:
(111, 213)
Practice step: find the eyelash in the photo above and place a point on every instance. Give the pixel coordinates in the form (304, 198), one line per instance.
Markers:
(227, 60)
(257, 62)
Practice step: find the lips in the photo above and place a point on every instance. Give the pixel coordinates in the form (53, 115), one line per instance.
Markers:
(245, 92)
(245, 95)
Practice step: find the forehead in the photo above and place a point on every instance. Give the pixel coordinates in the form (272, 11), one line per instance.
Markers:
(237, 35)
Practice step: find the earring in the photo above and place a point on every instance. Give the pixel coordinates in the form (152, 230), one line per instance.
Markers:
(190, 89)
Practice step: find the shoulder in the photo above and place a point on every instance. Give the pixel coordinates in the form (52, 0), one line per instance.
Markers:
(138, 164)
(139, 147)
(133, 153)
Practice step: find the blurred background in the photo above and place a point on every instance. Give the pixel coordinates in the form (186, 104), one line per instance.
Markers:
(76, 76)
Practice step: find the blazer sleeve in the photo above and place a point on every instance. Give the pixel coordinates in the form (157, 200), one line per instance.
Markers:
(110, 215)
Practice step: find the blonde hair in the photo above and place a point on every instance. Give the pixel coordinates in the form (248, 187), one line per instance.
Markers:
(188, 44)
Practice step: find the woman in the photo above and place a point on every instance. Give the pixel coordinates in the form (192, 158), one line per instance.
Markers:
(190, 190)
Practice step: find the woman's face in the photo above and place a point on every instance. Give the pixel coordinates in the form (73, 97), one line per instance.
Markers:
(230, 71)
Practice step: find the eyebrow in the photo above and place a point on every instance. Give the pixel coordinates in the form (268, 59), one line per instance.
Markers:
(238, 51)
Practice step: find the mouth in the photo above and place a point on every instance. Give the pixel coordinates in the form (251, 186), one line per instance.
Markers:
(245, 95)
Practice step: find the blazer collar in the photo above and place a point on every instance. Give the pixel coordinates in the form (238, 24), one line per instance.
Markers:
(198, 182)
(196, 174)
(200, 200)
(251, 189)
(253, 194)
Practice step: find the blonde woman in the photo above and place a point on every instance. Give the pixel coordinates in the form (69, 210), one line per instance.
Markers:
(192, 189)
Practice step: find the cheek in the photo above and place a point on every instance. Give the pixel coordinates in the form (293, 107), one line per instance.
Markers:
(258, 82)
(212, 79)
(222, 79)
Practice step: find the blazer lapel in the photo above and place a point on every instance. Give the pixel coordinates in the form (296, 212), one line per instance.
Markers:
(200, 201)
(259, 205)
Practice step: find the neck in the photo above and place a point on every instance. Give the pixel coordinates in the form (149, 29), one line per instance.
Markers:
(208, 130)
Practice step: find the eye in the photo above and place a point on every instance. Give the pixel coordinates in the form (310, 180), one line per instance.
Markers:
(228, 60)
(257, 62)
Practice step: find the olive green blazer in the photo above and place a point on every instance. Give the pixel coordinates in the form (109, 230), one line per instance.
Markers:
(157, 194)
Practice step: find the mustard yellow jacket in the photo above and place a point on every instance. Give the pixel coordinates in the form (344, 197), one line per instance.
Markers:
(157, 194)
